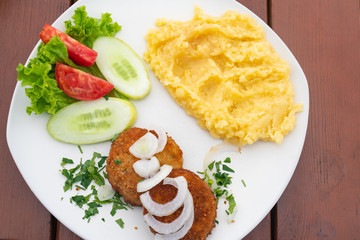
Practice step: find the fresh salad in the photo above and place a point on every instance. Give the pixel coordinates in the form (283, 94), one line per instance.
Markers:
(84, 77)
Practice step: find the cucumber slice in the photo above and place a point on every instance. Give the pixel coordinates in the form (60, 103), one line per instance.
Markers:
(87, 122)
(122, 67)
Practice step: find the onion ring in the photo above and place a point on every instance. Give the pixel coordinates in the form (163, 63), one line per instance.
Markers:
(168, 208)
(217, 149)
(149, 183)
(147, 168)
(179, 234)
(162, 138)
(145, 147)
(174, 226)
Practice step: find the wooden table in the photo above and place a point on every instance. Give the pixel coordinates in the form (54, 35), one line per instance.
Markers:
(322, 201)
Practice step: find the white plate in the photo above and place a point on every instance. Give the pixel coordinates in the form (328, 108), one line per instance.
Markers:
(265, 167)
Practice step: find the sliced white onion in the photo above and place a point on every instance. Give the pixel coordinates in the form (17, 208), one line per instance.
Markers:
(162, 138)
(179, 234)
(145, 147)
(168, 208)
(149, 183)
(174, 226)
(105, 192)
(218, 149)
(147, 168)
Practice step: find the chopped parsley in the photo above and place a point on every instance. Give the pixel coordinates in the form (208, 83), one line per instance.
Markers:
(118, 204)
(102, 161)
(79, 147)
(232, 203)
(211, 165)
(78, 187)
(120, 222)
(84, 173)
(228, 169)
(81, 176)
(117, 161)
(80, 200)
(66, 161)
(115, 137)
(242, 180)
(219, 180)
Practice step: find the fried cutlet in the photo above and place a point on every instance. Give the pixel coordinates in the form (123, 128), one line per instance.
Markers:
(121, 174)
(204, 203)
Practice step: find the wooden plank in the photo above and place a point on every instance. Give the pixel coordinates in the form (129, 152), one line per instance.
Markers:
(63, 233)
(258, 7)
(22, 215)
(262, 231)
(322, 200)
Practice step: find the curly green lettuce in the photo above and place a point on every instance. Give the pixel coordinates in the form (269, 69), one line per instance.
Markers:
(86, 29)
(39, 75)
(39, 78)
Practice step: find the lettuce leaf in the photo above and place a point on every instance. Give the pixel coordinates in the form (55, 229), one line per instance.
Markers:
(87, 29)
(39, 78)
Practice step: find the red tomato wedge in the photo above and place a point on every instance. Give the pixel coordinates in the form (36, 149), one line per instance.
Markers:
(79, 53)
(80, 85)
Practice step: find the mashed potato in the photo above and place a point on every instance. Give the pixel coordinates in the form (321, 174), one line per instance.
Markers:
(223, 72)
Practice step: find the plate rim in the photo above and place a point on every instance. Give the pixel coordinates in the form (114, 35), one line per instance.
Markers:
(305, 111)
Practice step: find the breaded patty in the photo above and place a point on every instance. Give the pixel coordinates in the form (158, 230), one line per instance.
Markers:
(121, 174)
(204, 204)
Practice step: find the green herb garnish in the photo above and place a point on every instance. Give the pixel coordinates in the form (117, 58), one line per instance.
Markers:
(80, 200)
(117, 161)
(232, 203)
(86, 173)
(114, 137)
(102, 161)
(211, 166)
(228, 169)
(66, 161)
(221, 177)
(91, 211)
(79, 147)
(120, 222)
(242, 180)
(80, 187)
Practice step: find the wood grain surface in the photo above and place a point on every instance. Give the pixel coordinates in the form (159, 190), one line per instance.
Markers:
(322, 200)
(22, 216)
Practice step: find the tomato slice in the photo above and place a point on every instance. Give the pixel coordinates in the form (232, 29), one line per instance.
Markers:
(79, 53)
(80, 85)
